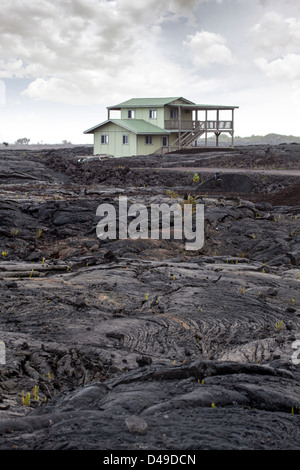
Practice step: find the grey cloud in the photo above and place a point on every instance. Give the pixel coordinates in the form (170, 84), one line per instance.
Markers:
(52, 37)
(56, 34)
(208, 48)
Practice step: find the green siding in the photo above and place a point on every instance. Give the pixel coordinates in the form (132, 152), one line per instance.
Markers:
(139, 126)
(143, 113)
(146, 149)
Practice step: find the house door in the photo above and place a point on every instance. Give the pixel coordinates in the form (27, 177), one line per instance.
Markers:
(165, 142)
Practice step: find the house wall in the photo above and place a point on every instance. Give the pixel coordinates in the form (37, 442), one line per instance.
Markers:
(162, 114)
(115, 144)
(146, 149)
(172, 138)
(143, 113)
(184, 115)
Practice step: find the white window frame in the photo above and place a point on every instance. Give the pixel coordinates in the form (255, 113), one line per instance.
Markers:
(152, 114)
(173, 113)
(131, 114)
(148, 140)
(125, 139)
(104, 139)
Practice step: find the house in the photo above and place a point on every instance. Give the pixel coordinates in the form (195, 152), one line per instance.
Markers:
(158, 125)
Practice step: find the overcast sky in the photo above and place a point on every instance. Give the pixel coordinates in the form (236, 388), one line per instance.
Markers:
(62, 62)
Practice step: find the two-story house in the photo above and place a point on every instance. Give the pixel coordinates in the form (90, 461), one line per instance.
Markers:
(158, 125)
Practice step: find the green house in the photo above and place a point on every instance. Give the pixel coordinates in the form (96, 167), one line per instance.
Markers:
(145, 126)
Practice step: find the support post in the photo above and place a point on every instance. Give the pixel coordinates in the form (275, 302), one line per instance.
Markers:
(206, 128)
(179, 127)
(232, 133)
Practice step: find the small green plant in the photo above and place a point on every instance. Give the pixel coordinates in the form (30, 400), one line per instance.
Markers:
(5, 253)
(147, 296)
(49, 375)
(25, 399)
(195, 178)
(242, 290)
(39, 234)
(14, 231)
(172, 194)
(35, 393)
(190, 200)
(278, 325)
(31, 274)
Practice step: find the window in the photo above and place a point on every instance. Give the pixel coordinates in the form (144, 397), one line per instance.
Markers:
(130, 113)
(173, 113)
(104, 139)
(152, 114)
(148, 140)
(125, 139)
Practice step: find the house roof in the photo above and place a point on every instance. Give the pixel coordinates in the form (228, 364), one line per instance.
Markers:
(208, 106)
(137, 126)
(148, 102)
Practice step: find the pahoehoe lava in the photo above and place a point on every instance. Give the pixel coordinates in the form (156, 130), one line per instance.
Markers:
(200, 345)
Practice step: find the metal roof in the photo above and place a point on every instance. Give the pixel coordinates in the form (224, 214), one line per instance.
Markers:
(147, 102)
(207, 106)
(137, 126)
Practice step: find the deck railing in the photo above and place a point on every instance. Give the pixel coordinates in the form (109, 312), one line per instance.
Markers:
(173, 124)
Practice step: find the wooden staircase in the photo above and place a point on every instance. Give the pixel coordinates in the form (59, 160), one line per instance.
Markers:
(188, 137)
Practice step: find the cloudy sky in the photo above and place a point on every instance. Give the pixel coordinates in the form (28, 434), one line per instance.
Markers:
(62, 62)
